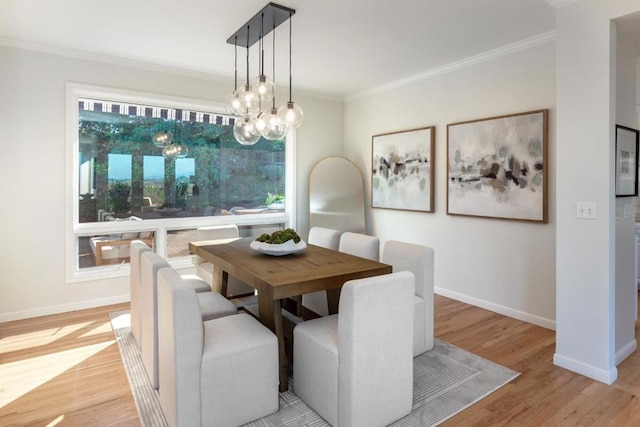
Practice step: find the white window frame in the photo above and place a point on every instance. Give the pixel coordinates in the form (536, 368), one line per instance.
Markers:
(75, 229)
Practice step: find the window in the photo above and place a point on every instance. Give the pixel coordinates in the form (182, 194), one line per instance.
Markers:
(124, 174)
(125, 186)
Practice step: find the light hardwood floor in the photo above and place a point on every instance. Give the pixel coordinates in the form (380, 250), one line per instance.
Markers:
(66, 370)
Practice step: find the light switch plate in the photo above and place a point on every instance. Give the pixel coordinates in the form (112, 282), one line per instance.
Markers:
(586, 210)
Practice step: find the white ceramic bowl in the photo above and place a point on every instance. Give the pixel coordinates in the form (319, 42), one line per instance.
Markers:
(286, 248)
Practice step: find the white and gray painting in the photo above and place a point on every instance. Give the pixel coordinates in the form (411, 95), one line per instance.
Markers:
(401, 171)
(496, 167)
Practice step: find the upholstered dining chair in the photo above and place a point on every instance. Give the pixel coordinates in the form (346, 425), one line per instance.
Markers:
(137, 248)
(355, 368)
(419, 260)
(212, 305)
(361, 245)
(204, 269)
(330, 239)
(221, 372)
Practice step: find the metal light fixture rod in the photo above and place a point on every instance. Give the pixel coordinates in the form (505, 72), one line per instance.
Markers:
(272, 12)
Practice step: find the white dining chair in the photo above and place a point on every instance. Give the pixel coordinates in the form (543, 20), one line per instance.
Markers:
(138, 247)
(221, 372)
(204, 269)
(330, 239)
(212, 305)
(361, 245)
(355, 368)
(419, 260)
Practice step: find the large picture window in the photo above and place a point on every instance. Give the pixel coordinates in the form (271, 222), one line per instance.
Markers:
(204, 171)
(126, 185)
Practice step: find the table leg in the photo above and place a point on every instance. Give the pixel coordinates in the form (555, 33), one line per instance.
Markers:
(333, 298)
(270, 313)
(223, 283)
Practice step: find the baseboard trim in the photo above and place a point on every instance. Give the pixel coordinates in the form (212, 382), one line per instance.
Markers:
(604, 376)
(63, 308)
(626, 351)
(500, 309)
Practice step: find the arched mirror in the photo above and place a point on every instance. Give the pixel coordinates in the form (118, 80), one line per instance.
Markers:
(336, 195)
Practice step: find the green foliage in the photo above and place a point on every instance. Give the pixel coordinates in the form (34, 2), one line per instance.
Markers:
(227, 174)
(274, 198)
(119, 193)
(272, 172)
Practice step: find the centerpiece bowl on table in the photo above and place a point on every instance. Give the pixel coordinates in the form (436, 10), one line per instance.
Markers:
(279, 243)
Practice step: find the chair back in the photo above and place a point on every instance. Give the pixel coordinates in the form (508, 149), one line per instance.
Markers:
(360, 245)
(149, 265)
(181, 343)
(137, 248)
(419, 260)
(375, 347)
(325, 237)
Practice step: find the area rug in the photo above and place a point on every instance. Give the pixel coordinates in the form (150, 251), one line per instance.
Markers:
(446, 380)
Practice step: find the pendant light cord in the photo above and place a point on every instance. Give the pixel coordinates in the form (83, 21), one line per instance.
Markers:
(248, 27)
(261, 45)
(290, 79)
(235, 78)
(273, 63)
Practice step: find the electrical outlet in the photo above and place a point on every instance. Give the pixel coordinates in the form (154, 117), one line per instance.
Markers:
(586, 210)
(627, 211)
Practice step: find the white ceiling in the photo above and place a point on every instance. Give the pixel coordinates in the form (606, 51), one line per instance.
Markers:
(340, 47)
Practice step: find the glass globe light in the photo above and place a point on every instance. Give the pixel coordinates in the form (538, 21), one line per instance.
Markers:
(264, 88)
(233, 104)
(249, 102)
(181, 151)
(260, 123)
(162, 139)
(275, 128)
(243, 131)
(291, 114)
(169, 152)
(174, 151)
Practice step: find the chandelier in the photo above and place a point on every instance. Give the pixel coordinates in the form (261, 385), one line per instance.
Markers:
(254, 103)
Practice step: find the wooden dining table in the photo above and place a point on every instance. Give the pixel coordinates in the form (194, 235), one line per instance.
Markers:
(278, 277)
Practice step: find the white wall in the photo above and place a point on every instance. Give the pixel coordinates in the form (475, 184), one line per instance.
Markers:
(32, 110)
(506, 266)
(586, 94)
(625, 259)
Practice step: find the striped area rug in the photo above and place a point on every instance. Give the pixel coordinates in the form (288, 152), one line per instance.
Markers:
(446, 380)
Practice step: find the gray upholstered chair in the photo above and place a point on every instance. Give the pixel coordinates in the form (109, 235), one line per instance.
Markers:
(204, 269)
(360, 245)
(212, 305)
(419, 260)
(355, 368)
(330, 239)
(137, 248)
(221, 372)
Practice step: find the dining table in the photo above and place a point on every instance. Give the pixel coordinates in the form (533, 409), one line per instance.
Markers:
(278, 277)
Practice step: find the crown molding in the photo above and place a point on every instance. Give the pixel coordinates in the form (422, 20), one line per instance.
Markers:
(560, 3)
(141, 65)
(454, 66)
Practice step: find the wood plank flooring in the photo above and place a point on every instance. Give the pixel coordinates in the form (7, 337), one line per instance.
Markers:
(65, 370)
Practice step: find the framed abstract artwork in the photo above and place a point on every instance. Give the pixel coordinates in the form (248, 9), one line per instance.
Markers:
(626, 162)
(402, 170)
(497, 167)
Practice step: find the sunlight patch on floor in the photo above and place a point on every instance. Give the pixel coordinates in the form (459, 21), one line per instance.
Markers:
(20, 377)
(56, 421)
(104, 328)
(38, 338)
